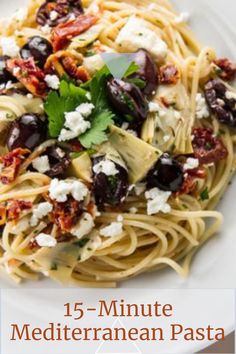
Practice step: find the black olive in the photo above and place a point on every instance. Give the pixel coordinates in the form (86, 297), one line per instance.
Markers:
(37, 47)
(223, 107)
(127, 99)
(58, 161)
(110, 190)
(166, 175)
(27, 131)
(147, 71)
(63, 8)
(5, 75)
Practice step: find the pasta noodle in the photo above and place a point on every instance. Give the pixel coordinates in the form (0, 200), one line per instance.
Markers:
(146, 242)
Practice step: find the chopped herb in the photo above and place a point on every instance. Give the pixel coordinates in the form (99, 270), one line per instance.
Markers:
(54, 266)
(221, 132)
(81, 243)
(89, 53)
(204, 194)
(133, 68)
(138, 82)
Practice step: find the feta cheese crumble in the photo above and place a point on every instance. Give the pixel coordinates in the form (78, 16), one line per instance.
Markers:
(84, 227)
(230, 95)
(40, 212)
(75, 122)
(114, 229)
(107, 167)
(46, 29)
(191, 164)
(157, 201)
(52, 81)
(202, 110)
(133, 210)
(183, 17)
(54, 15)
(137, 34)
(9, 46)
(44, 240)
(41, 164)
(60, 189)
(139, 188)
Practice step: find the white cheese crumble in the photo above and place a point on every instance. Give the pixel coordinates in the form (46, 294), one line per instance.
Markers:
(166, 138)
(44, 240)
(107, 167)
(46, 29)
(137, 34)
(191, 164)
(75, 122)
(29, 96)
(133, 210)
(183, 17)
(52, 81)
(230, 95)
(41, 164)
(202, 110)
(54, 15)
(9, 46)
(114, 229)
(40, 212)
(60, 189)
(84, 227)
(120, 218)
(157, 201)
(125, 125)
(85, 109)
(139, 188)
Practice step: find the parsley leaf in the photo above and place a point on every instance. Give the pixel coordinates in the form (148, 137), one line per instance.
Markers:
(97, 133)
(205, 194)
(81, 243)
(133, 68)
(68, 98)
(138, 82)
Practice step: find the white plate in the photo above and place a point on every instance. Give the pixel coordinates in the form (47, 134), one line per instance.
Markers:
(215, 264)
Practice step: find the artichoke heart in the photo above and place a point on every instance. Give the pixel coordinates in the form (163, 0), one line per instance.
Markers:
(136, 153)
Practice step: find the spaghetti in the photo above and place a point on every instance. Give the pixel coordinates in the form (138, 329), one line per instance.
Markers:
(107, 242)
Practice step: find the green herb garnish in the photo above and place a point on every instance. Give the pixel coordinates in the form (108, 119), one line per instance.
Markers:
(81, 243)
(204, 194)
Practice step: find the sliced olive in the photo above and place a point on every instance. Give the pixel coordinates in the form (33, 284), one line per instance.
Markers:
(5, 75)
(166, 175)
(110, 190)
(37, 47)
(28, 131)
(147, 71)
(127, 99)
(58, 161)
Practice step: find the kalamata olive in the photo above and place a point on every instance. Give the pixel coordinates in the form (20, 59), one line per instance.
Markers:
(166, 175)
(110, 189)
(5, 75)
(221, 102)
(54, 12)
(58, 161)
(147, 71)
(127, 99)
(37, 47)
(28, 131)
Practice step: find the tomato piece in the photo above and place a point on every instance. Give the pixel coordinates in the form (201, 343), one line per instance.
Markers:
(207, 147)
(64, 32)
(31, 76)
(11, 163)
(15, 208)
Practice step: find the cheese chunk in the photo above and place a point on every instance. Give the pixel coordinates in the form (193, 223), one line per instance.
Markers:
(136, 34)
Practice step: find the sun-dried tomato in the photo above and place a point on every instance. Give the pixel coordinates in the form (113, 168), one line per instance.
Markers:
(207, 147)
(31, 76)
(66, 215)
(15, 208)
(11, 163)
(64, 32)
(227, 69)
(169, 74)
(3, 215)
(64, 9)
(76, 72)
